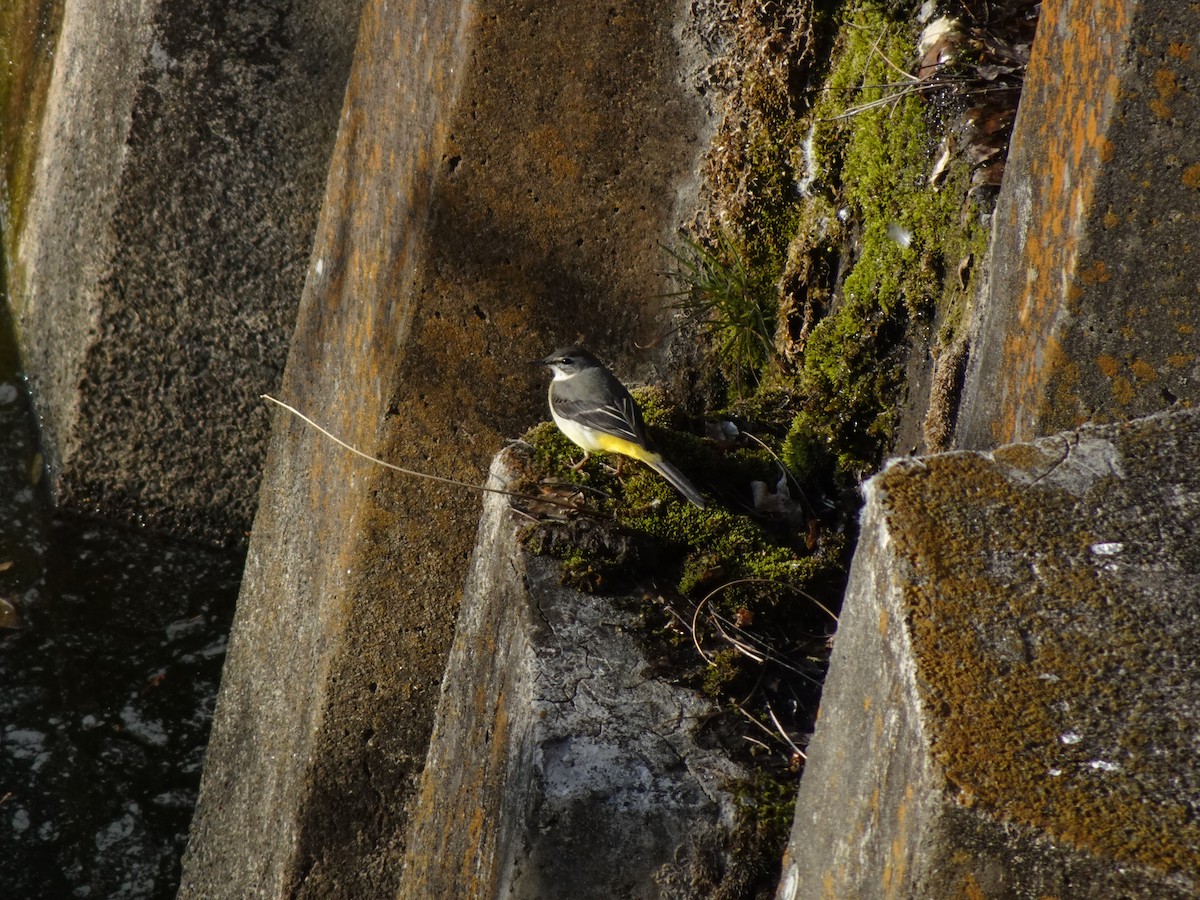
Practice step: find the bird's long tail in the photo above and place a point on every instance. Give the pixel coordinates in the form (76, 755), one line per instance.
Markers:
(677, 479)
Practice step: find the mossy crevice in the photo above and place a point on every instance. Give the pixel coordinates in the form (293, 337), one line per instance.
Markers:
(821, 187)
(823, 259)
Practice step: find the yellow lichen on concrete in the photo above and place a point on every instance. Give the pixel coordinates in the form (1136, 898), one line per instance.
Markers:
(1166, 83)
(1143, 370)
(1023, 639)
(1108, 365)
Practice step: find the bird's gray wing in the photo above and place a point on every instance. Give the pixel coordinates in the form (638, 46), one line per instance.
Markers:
(622, 418)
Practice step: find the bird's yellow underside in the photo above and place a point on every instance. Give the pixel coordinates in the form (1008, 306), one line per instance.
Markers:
(610, 444)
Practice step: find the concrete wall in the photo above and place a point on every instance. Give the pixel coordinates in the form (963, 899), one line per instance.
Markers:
(503, 176)
(1011, 701)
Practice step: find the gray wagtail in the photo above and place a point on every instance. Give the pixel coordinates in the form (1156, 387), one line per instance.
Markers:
(595, 411)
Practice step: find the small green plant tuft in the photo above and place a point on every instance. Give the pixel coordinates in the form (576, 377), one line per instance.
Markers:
(720, 296)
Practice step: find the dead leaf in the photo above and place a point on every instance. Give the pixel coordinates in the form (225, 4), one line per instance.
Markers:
(10, 617)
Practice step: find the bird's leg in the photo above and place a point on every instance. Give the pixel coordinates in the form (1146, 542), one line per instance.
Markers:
(579, 465)
(616, 470)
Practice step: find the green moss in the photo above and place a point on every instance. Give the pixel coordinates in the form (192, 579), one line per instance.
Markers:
(876, 161)
(765, 812)
(770, 803)
(870, 260)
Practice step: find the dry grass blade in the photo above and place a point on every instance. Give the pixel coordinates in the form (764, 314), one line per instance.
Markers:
(783, 732)
(481, 488)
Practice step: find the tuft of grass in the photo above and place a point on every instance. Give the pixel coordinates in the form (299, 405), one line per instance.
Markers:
(734, 311)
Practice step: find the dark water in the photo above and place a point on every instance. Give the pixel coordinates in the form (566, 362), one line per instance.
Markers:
(107, 685)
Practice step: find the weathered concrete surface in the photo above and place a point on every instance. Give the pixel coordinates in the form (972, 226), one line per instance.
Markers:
(1094, 282)
(558, 767)
(502, 179)
(1012, 705)
(163, 242)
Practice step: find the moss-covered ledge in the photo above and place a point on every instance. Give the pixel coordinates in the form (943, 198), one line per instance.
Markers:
(562, 763)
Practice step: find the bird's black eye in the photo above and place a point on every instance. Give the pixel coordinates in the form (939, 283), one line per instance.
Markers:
(566, 360)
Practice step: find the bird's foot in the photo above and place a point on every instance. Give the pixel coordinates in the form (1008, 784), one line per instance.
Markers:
(615, 470)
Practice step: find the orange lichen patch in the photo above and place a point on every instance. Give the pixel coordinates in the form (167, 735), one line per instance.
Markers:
(1024, 456)
(971, 889)
(547, 142)
(1182, 52)
(1123, 391)
(1191, 176)
(1180, 360)
(1109, 365)
(1111, 219)
(470, 861)
(1096, 273)
(1166, 82)
(896, 866)
(1185, 329)
(1143, 370)
(1059, 401)
(1043, 726)
(1060, 151)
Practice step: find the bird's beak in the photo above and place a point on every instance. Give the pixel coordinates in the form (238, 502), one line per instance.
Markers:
(538, 362)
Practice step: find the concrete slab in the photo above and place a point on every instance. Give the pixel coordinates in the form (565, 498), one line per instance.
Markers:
(502, 181)
(164, 240)
(559, 765)
(1090, 314)
(1011, 709)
